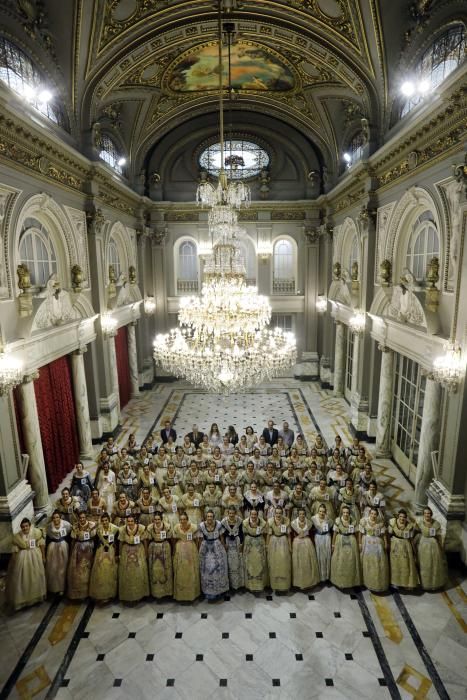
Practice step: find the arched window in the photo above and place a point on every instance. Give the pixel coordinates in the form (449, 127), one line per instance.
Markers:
(444, 55)
(21, 75)
(37, 252)
(114, 257)
(423, 245)
(108, 152)
(283, 280)
(187, 273)
(242, 159)
(355, 147)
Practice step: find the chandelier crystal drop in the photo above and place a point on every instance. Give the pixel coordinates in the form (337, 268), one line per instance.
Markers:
(448, 369)
(11, 372)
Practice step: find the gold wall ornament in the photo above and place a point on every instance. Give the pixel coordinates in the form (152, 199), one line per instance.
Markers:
(25, 298)
(354, 272)
(132, 274)
(385, 271)
(77, 278)
(337, 271)
(112, 287)
(24, 278)
(95, 220)
(432, 272)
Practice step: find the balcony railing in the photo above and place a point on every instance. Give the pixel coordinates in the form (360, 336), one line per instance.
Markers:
(283, 287)
(187, 286)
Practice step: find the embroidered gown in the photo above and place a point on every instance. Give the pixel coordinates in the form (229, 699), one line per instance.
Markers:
(254, 555)
(346, 569)
(323, 541)
(233, 534)
(57, 556)
(375, 566)
(279, 556)
(133, 580)
(160, 561)
(401, 558)
(305, 568)
(26, 582)
(431, 558)
(104, 574)
(80, 562)
(186, 564)
(213, 562)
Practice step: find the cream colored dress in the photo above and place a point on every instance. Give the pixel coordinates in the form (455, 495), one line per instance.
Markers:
(431, 558)
(402, 561)
(26, 582)
(279, 556)
(305, 570)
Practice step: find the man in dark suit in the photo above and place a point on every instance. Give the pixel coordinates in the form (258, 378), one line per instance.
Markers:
(167, 432)
(271, 434)
(196, 436)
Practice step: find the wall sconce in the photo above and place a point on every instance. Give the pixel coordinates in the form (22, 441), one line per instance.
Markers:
(11, 371)
(357, 322)
(108, 325)
(149, 305)
(321, 305)
(448, 369)
(264, 250)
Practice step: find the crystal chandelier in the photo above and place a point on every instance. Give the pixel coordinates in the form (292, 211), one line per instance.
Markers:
(357, 323)
(108, 325)
(448, 369)
(11, 372)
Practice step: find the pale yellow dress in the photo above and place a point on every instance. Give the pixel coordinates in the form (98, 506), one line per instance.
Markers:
(186, 564)
(346, 569)
(193, 505)
(26, 582)
(279, 556)
(133, 580)
(375, 565)
(305, 570)
(160, 561)
(104, 574)
(431, 558)
(401, 559)
(326, 497)
(254, 555)
(80, 562)
(58, 551)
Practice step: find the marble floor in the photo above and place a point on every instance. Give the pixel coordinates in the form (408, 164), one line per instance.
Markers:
(325, 644)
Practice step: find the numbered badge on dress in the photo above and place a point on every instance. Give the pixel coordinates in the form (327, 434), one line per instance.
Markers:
(151, 481)
(432, 532)
(258, 530)
(217, 477)
(86, 536)
(32, 544)
(150, 509)
(283, 529)
(351, 529)
(111, 539)
(163, 534)
(406, 535)
(70, 509)
(376, 501)
(136, 539)
(62, 532)
(325, 527)
(174, 507)
(196, 502)
(129, 482)
(326, 497)
(128, 511)
(83, 481)
(377, 532)
(189, 536)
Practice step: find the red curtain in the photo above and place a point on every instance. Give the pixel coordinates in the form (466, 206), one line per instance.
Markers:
(56, 409)
(123, 366)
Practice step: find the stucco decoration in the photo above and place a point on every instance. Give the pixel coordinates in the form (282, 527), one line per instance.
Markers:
(128, 294)
(78, 221)
(383, 217)
(452, 194)
(57, 307)
(404, 305)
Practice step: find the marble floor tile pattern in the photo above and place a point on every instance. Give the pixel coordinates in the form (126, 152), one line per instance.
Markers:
(322, 644)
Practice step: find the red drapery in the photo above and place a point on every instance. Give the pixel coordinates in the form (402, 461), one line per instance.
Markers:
(57, 421)
(123, 366)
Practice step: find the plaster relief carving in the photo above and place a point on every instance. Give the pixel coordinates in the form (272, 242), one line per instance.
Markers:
(404, 305)
(454, 192)
(78, 221)
(57, 307)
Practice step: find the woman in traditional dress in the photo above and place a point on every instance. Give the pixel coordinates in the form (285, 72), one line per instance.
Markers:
(147, 506)
(206, 449)
(131, 445)
(106, 483)
(213, 558)
(172, 478)
(401, 558)
(312, 477)
(233, 535)
(68, 506)
(254, 552)
(168, 505)
(372, 499)
(276, 498)
(81, 557)
(57, 533)
(322, 494)
(133, 580)
(192, 503)
(96, 506)
(233, 498)
(431, 558)
(322, 527)
(305, 570)
(160, 558)
(185, 561)
(213, 475)
(373, 547)
(26, 582)
(81, 485)
(279, 546)
(298, 500)
(300, 445)
(122, 509)
(345, 561)
(188, 446)
(349, 497)
(127, 481)
(104, 574)
(212, 498)
(147, 479)
(250, 438)
(215, 438)
(193, 476)
(253, 500)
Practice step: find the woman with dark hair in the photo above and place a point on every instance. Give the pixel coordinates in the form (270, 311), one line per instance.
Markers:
(431, 559)
(81, 485)
(213, 558)
(26, 583)
(57, 533)
(401, 558)
(232, 524)
(215, 438)
(232, 435)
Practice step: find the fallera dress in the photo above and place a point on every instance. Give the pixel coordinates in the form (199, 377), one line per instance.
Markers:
(104, 574)
(375, 565)
(323, 541)
(80, 562)
(345, 561)
(233, 534)
(57, 556)
(213, 562)
(160, 561)
(133, 580)
(254, 555)
(305, 570)
(401, 559)
(279, 557)
(26, 582)
(186, 564)
(431, 558)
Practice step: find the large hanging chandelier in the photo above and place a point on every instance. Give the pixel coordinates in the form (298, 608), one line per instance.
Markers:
(223, 343)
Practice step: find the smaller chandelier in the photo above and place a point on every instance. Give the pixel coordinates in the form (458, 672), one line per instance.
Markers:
(11, 372)
(149, 305)
(448, 369)
(227, 192)
(108, 325)
(321, 305)
(357, 323)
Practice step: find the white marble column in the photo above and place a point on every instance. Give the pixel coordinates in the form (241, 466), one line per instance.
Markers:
(32, 438)
(383, 425)
(113, 369)
(429, 440)
(80, 393)
(339, 360)
(133, 360)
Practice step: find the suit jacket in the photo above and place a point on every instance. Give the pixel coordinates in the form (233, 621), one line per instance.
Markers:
(198, 440)
(165, 436)
(288, 437)
(267, 436)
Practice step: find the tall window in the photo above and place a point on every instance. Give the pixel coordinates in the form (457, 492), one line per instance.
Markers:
(187, 278)
(444, 55)
(114, 258)
(37, 252)
(283, 267)
(423, 245)
(109, 153)
(407, 410)
(21, 75)
(349, 363)
(282, 321)
(355, 148)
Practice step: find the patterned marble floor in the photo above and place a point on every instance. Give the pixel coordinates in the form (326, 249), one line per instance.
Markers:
(326, 644)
